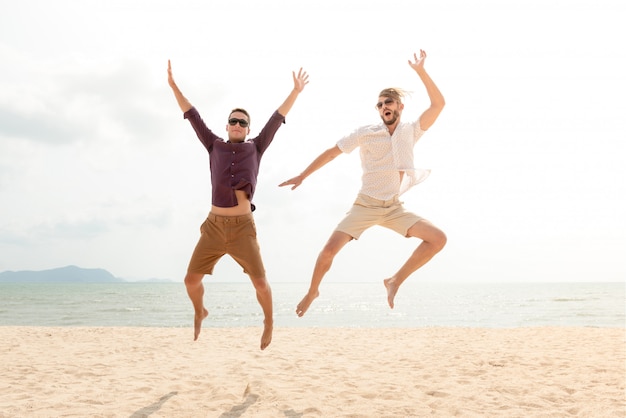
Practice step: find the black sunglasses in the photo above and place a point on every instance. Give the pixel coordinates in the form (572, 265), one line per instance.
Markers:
(387, 102)
(242, 122)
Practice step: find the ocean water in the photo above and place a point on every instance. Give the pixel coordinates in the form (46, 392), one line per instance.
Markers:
(357, 305)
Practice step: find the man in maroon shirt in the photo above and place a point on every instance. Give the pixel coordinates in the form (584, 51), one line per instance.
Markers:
(229, 228)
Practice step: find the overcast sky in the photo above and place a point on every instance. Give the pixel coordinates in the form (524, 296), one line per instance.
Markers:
(98, 168)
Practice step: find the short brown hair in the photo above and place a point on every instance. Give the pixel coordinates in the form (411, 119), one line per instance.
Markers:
(238, 109)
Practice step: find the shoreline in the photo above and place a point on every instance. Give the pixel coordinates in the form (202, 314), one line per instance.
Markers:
(313, 372)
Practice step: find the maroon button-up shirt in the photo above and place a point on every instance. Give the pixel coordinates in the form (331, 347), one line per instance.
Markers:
(234, 166)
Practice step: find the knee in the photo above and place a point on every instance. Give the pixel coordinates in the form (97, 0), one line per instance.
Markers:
(193, 279)
(261, 284)
(327, 253)
(439, 240)
(333, 246)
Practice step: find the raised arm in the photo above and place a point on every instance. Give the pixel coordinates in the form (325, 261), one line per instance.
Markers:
(299, 81)
(437, 102)
(323, 159)
(183, 103)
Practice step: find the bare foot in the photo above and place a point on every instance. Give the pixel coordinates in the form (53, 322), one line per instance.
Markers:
(266, 338)
(197, 323)
(392, 289)
(304, 304)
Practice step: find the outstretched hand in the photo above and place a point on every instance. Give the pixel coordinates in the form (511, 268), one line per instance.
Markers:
(170, 77)
(301, 80)
(295, 181)
(419, 62)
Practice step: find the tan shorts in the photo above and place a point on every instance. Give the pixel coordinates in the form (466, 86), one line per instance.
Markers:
(232, 235)
(367, 212)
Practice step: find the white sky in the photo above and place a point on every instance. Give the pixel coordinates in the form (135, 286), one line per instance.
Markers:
(98, 168)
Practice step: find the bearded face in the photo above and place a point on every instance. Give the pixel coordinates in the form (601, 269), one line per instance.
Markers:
(390, 117)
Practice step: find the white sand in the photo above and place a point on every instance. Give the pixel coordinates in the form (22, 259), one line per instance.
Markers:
(315, 372)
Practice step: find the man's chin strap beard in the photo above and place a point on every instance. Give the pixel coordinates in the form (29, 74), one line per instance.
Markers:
(393, 120)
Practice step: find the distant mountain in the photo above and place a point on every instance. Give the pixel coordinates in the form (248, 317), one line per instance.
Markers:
(69, 274)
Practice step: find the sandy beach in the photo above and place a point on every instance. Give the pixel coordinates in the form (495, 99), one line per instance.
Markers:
(312, 372)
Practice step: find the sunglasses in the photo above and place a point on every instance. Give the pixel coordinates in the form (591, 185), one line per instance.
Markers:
(387, 102)
(234, 121)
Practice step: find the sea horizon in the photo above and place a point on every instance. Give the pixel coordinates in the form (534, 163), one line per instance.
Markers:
(418, 304)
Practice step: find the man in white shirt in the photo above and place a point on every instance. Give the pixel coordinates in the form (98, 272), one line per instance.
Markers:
(386, 152)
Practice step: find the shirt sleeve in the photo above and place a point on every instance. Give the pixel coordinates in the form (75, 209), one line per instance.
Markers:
(205, 135)
(350, 142)
(265, 137)
(417, 131)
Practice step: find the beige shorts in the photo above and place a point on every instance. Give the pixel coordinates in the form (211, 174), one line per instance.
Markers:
(367, 212)
(232, 235)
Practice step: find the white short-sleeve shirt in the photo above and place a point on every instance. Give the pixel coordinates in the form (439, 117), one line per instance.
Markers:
(386, 160)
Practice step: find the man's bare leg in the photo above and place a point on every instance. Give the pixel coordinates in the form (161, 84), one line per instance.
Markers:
(195, 290)
(324, 261)
(433, 241)
(264, 296)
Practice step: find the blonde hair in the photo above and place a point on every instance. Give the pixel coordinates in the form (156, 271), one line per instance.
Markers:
(395, 93)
